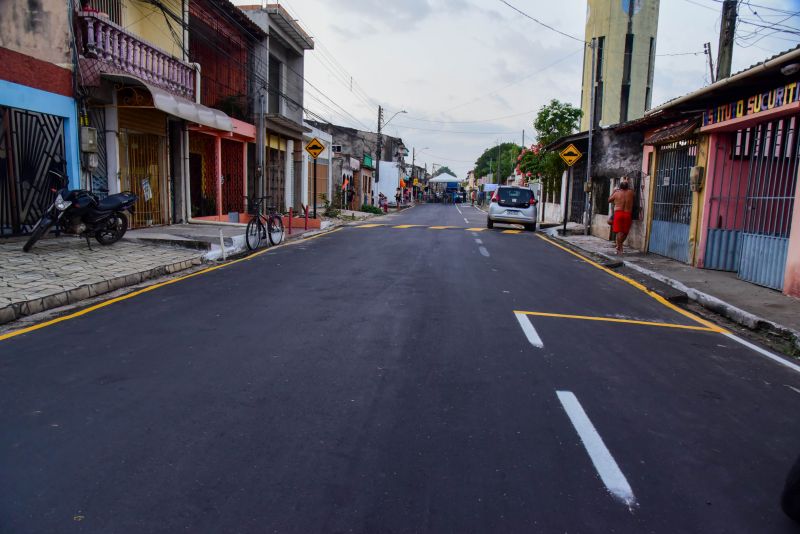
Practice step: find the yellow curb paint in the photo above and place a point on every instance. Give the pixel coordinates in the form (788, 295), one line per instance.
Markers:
(138, 292)
(475, 229)
(408, 225)
(711, 326)
(441, 227)
(511, 232)
(615, 320)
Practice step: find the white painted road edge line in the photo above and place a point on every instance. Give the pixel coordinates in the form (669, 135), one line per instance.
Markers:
(604, 463)
(459, 209)
(763, 352)
(465, 220)
(530, 331)
(484, 251)
(478, 241)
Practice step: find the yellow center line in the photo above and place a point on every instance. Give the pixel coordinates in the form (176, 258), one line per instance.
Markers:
(372, 225)
(475, 229)
(711, 326)
(511, 232)
(442, 227)
(138, 292)
(408, 225)
(615, 320)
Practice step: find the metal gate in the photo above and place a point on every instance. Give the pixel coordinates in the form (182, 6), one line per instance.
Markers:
(672, 200)
(577, 202)
(751, 202)
(31, 144)
(142, 174)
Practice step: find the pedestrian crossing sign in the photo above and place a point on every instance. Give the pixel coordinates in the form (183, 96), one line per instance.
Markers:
(570, 154)
(315, 148)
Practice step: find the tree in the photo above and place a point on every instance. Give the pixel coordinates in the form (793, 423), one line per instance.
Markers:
(488, 161)
(554, 121)
(444, 169)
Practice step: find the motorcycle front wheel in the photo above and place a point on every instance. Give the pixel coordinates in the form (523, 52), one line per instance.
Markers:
(113, 229)
(39, 230)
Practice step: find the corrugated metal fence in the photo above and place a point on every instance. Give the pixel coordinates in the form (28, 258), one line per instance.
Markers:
(751, 202)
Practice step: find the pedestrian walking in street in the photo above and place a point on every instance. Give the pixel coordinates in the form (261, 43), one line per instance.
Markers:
(622, 199)
(397, 197)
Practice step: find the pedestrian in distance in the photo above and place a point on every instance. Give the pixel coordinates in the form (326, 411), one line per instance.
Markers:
(397, 197)
(622, 218)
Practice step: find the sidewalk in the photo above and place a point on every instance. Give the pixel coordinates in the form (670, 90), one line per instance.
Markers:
(749, 305)
(61, 271)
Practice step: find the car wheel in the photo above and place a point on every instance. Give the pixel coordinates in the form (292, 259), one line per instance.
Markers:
(530, 227)
(489, 223)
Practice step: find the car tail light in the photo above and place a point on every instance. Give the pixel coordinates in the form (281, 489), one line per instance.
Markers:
(494, 197)
(532, 201)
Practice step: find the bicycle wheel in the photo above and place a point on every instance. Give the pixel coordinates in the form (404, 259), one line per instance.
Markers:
(253, 233)
(275, 229)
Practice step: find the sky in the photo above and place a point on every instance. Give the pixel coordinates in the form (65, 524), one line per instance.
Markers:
(472, 73)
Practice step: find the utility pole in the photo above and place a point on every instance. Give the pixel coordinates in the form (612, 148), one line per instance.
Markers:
(707, 50)
(588, 185)
(727, 30)
(523, 138)
(260, 145)
(380, 145)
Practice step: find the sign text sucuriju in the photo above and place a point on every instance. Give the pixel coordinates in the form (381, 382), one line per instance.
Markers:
(773, 99)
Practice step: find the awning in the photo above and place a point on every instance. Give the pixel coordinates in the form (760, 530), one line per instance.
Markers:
(671, 133)
(285, 126)
(188, 110)
(178, 106)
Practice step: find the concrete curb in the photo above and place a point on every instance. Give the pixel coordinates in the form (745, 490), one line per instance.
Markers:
(710, 302)
(17, 310)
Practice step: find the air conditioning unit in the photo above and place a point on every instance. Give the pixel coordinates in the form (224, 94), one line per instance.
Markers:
(336, 149)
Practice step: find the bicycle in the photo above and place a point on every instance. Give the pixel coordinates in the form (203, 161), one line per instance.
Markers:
(262, 226)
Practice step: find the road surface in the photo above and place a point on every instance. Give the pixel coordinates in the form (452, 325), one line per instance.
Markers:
(417, 373)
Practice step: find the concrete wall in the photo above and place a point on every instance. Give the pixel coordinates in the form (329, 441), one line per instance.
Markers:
(616, 154)
(37, 28)
(609, 18)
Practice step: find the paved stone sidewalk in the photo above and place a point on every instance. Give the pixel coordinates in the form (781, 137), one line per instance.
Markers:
(63, 271)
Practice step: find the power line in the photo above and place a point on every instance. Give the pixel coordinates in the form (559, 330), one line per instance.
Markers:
(537, 21)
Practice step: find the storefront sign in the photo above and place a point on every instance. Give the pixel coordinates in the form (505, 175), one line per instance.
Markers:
(776, 98)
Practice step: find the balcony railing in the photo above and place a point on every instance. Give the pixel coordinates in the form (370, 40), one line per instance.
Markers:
(123, 52)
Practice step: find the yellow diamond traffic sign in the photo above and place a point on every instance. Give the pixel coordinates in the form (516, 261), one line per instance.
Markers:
(570, 155)
(315, 148)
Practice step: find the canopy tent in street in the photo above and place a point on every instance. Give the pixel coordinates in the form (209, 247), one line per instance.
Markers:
(443, 179)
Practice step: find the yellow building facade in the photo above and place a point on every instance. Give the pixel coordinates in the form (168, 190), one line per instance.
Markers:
(625, 35)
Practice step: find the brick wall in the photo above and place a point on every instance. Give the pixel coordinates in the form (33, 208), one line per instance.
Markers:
(26, 70)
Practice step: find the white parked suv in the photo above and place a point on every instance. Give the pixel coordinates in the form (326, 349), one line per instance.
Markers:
(512, 205)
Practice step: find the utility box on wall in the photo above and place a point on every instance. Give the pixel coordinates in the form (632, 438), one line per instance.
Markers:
(88, 139)
(696, 176)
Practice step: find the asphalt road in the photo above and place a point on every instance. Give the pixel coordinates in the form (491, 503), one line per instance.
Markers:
(378, 379)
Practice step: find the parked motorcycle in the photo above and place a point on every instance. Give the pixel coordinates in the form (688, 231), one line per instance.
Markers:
(81, 212)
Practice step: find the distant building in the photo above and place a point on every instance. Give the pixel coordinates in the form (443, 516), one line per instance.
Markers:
(625, 32)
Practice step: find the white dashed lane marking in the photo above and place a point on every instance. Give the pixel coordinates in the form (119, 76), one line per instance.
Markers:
(604, 463)
(484, 251)
(530, 331)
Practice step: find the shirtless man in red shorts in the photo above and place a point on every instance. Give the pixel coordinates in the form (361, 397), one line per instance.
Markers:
(622, 199)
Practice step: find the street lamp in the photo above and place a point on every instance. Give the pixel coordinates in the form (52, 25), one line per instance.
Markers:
(393, 116)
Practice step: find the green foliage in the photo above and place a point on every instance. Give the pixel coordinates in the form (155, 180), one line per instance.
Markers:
(331, 210)
(368, 208)
(555, 120)
(488, 161)
(443, 170)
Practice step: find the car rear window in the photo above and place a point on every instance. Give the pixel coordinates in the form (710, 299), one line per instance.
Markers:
(514, 196)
